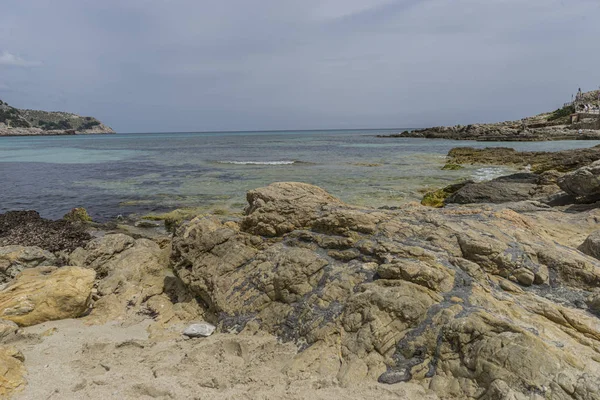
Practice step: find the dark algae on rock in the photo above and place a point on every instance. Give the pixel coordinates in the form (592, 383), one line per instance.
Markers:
(27, 228)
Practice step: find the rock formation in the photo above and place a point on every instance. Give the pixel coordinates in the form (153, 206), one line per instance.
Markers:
(315, 298)
(133, 281)
(471, 303)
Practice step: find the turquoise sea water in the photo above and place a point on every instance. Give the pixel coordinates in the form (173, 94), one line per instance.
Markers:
(146, 172)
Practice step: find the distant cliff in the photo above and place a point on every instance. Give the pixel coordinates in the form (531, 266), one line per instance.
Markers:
(16, 122)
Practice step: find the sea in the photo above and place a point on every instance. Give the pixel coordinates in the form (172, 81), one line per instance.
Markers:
(143, 173)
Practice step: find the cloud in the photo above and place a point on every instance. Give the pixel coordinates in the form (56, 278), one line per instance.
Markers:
(151, 65)
(10, 59)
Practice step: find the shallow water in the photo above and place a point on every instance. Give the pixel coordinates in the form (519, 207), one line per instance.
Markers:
(146, 172)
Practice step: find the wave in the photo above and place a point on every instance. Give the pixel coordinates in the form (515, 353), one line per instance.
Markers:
(488, 173)
(283, 162)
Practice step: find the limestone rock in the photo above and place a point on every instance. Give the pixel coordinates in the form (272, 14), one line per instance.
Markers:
(12, 371)
(133, 279)
(14, 259)
(584, 182)
(201, 329)
(47, 293)
(284, 206)
(414, 294)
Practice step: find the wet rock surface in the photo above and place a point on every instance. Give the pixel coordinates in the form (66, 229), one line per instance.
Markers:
(539, 161)
(511, 188)
(27, 228)
(481, 302)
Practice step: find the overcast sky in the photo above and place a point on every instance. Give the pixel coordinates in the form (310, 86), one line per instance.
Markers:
(199, 65)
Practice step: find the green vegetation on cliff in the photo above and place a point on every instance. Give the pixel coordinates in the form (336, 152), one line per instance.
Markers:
(12, 117)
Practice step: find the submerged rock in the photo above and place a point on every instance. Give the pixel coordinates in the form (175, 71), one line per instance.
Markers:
(437, 198)
(412, 294)
(47, 293)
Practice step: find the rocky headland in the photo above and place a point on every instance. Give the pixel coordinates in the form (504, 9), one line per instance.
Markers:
(494, 296)
(575, 121)
(18, 122)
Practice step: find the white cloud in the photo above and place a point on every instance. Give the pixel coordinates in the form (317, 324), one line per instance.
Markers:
(7, 58)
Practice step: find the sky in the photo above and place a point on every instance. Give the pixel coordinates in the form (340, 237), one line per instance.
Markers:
(199, 65)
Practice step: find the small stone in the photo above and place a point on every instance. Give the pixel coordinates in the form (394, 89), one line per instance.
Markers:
(201, 329)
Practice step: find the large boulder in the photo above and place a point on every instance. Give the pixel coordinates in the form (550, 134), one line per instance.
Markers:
(454, 299)
(14, 259)
(47, 293)
(584, 182)
(12, 371)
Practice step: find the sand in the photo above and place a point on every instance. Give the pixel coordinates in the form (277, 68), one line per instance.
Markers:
(68, 359)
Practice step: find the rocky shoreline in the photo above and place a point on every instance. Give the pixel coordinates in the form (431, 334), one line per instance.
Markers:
(575, 121)
(502, 132)
(495, 295)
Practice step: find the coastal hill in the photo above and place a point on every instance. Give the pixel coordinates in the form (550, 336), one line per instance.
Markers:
(17, 122)
(578, 119)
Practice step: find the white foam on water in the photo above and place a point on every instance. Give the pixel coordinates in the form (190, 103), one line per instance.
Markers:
(285, 162)
(488, 173)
